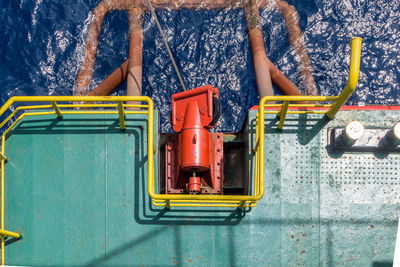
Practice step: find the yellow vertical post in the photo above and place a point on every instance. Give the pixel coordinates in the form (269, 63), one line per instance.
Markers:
(282, 114)
(56, 109)
(261, 148)
(121, 115)
(353, 77)
(3, 140)
(257, 151)
(150, 163)
(2, 157)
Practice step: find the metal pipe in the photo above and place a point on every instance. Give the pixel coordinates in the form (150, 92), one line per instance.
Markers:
(281, 81)
(264, 69)
(56, 109)
(134, 78)
(4, 233)
(121, 113)
(296, 40)
(86, 72)
(115, 79)
(352, 80)
(136, 7)
(261, 68)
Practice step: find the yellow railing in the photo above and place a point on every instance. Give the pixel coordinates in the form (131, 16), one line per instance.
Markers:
(281, 110)
(62, 105)
(329, 110)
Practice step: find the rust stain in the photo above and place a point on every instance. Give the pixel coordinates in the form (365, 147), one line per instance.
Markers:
(189, 260)
(302, 252)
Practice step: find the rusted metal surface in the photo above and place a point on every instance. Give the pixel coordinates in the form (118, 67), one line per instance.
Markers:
(114, 80)
(194, 160)
(264, 69)
(134, 82)
(297, 41)
(263, 66)
(175, 179)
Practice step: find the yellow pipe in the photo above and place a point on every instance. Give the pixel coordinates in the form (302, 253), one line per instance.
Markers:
(3, 141)
(354, 72)
(135, 106)
(2, 157)
(203, 204)
(299, 98)
(202, 201)
(261, 150)
(121, 116)
(282, 114)
(203, 197)
(12, 125)
(150, 181)
(71, 99)
(9, 117)
(5, 233)
(298, 112)
(135, 112)
(56, 108)
(88, 106)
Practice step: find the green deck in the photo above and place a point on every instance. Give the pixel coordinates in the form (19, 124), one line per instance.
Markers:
(76, 190)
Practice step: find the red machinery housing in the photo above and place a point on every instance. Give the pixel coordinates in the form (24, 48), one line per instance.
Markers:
(194, 156)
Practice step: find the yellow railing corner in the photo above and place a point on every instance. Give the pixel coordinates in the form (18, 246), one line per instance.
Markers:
(354, 72)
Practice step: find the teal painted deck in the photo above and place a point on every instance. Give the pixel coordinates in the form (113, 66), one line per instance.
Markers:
(76, 189)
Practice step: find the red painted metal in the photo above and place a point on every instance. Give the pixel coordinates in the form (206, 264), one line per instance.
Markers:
(176, 181)
(194, 185)
(203, 96)
(194, 156)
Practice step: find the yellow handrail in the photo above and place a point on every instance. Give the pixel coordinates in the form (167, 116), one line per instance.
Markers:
(338, 101)
(353, 77)
(60, 109)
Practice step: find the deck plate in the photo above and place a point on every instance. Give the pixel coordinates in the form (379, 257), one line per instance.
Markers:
(77, 191)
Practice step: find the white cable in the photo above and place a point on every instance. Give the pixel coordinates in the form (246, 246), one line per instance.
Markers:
(166, 45)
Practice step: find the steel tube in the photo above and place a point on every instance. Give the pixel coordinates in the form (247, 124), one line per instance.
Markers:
(115, 79)
(296, 40)
(134, 78)
(86, 72)
(261, 68)
(9, 233)
(136, 7)
(265, 70)
(352, 81)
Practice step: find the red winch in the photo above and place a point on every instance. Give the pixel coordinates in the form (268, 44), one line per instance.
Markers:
(194, 155)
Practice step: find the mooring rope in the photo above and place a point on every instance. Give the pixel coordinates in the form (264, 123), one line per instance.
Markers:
(166, 45)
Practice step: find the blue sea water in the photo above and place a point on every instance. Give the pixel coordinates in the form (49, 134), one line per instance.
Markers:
(42, 45)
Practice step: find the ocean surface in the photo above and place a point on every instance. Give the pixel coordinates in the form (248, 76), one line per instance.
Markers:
(42, 45)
